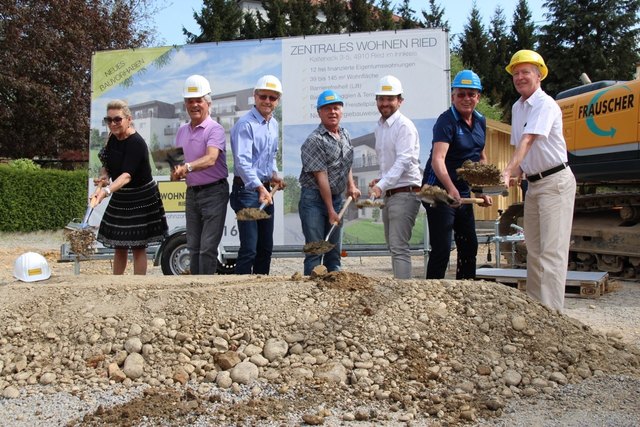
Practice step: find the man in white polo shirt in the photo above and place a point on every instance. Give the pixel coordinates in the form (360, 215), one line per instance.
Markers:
(541, 153)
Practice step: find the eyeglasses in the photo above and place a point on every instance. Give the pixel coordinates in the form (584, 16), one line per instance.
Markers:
(116, 120)
(462, 95)
(271, 97)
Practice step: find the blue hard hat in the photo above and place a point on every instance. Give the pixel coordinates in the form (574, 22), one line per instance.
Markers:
(329, 97)
(467, 79)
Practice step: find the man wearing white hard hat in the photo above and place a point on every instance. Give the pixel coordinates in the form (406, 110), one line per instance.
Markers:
(398, 150)
(205, 170)
(541, 153)
(254, 142)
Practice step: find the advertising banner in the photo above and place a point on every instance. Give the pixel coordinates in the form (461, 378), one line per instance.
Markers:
(151, 81)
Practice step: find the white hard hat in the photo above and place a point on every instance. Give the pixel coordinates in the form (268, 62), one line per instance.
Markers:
(30, 267)
(269, 82)
(196, 86)
(389, 85)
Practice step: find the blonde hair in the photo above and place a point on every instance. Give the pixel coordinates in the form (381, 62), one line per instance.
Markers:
(119, 104)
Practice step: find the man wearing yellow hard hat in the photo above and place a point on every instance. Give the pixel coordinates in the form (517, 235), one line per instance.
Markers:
(541, 153)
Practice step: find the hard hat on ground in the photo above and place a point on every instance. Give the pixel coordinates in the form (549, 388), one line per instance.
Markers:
(196, 86)
(389, 85)
(30, 267)
(530, 57)
(467, 79)
(269, 82)
(329, 97)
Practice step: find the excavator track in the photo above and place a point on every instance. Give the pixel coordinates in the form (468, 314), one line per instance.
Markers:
(605, 235)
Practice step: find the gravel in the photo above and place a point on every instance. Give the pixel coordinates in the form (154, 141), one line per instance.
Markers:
(94, 349)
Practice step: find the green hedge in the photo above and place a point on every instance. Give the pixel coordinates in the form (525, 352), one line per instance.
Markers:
(40, 199)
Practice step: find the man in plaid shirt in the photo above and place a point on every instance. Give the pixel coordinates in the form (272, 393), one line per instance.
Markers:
(327, 156)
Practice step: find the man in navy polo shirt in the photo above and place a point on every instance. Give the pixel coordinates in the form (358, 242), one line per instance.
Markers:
(458, 135)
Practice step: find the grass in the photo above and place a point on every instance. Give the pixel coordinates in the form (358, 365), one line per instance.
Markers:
(370, 232)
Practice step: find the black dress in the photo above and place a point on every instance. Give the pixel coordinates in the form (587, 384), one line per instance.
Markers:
(135, 215)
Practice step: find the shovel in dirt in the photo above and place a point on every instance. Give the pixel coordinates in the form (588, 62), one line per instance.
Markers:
(370, 203)
(254, 214)
(432, 194)
(323, 246)
(85, 219)
(490, 190)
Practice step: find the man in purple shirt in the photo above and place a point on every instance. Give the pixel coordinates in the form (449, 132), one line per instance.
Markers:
(254, 142)
(205, 170)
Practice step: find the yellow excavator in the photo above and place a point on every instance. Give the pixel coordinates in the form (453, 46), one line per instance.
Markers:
(601, 124)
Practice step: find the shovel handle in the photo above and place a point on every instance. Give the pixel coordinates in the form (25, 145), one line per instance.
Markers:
(342, 211)
(273, 191)
(471, 200)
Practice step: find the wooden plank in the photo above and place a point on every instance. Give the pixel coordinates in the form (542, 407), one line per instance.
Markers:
(583, 284)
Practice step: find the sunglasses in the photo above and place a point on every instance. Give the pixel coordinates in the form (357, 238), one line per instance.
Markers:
(462, 95)
(115, 120)
(271, 97)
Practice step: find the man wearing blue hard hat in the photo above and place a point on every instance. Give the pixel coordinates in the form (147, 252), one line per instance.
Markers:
(458, 135)
(325, 180)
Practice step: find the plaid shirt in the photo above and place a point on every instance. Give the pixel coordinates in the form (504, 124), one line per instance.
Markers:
(323, 152)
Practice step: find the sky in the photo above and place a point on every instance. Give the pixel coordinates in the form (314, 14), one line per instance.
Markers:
(179, 13)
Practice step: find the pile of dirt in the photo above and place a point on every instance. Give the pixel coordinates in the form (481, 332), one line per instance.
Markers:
(263, 350)
(251, 214)
(479, 174)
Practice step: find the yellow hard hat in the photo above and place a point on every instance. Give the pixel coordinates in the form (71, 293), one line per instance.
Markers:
(530, 57)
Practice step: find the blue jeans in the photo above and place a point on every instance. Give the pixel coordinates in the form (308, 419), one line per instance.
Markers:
(205, 213)
(315, 226)
(443, 221)
(256, 237)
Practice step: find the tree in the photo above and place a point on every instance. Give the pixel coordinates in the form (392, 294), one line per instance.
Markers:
(360, 14)
(250, 29)
(384, 16)
(407, 16)
(219, 20)
(435, 17)
(45, 62)
(497, 80)
(276, 19)
(599, 38)
(473, 44)
(335, 13)
(303, 18)
(522, 29)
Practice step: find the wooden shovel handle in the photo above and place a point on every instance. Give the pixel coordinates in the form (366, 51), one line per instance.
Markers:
(344, 207)
(471, 200)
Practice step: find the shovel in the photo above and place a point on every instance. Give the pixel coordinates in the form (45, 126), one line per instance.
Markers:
(323, 246)
(85, 220)
(491, 190)
(432, 195)
(253, 214)
(370, 203)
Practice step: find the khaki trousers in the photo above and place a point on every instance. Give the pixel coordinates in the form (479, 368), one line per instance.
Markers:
(548, 216)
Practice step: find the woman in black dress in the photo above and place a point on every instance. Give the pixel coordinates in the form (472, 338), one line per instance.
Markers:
(135, 215)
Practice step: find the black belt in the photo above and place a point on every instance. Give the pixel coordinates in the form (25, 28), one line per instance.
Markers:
(211, 184)
(539, 176)
(238, 181)
(406, 189)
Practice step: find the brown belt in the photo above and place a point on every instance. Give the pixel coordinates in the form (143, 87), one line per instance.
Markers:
(405, 189)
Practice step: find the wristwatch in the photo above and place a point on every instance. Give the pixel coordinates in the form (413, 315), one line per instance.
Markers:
(189, 168)
(107, 190)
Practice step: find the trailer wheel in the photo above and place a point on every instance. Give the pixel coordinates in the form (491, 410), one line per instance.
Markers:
(175, 256)
(175, 259)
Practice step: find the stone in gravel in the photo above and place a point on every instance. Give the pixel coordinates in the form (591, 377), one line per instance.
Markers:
(559, 378)
(332, 372)
(518, 323)
(244, 373)
(10, 393)
(47, 378)
(227, 360)
(275, 348)
(134, 366)
(133, 345)
(115, 373)
(511, 377)
(223, 379)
